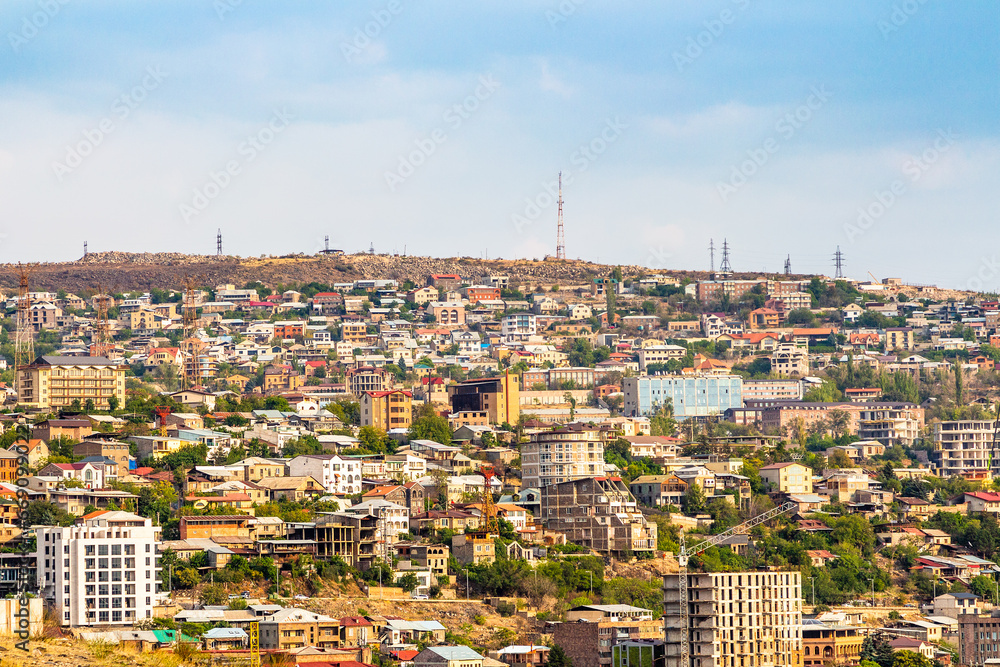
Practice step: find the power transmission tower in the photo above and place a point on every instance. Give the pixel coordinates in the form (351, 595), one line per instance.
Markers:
(725, 266)
(560, 234)
(24, 334)
(218, 243)
(788, 265)
(838, 262)
(191, 344)
(100, 341)
(711, 254)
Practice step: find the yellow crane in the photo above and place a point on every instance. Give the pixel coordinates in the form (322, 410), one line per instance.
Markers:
(254, 632)
(685, 554)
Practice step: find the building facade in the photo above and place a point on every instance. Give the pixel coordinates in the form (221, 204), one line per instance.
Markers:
(697, 396)
(101, 571)
(387, 409)
(598, 513)
(499, 397)
(54, 382)
(561, 455)
(737, 619)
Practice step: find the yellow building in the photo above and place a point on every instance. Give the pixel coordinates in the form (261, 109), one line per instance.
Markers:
(899, 338)
(387, 409)
(53, 382)
(788, 477)
(499, 397)
(144, 320)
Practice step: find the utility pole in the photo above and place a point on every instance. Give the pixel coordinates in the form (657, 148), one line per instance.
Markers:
(838, 262)
(560, 234)
(711, 254)
(725, 266)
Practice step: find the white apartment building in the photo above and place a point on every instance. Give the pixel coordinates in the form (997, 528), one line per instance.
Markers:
(562, 455)
(101, 571)
(518, 326)
(406, 467)
(659, 354)
(737, 619)
(339, 476)
(963, 446)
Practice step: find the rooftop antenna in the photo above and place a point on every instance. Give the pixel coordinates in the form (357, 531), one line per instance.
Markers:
(725, 266)
(560, 234)
(838, 262)
(218, 243)
(788, 265)
(711, 254)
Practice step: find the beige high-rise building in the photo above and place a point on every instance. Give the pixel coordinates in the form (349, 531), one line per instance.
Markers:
(562, 455)
(736, 619)
(56, 382)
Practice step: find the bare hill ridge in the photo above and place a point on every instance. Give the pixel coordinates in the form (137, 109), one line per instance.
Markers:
(123, 271)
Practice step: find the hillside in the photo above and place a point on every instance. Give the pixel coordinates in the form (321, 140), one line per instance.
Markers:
(120, 271)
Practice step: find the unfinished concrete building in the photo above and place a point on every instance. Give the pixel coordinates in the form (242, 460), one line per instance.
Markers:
(736, 619)
(598, 513)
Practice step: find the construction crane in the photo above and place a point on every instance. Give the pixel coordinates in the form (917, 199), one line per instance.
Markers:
(685, 554)
(490, 525)
(253, 630)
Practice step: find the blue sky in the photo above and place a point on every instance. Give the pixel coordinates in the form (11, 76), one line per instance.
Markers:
(788, 128)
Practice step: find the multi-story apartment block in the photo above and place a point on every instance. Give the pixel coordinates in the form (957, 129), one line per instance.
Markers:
(772, 390)
(569, 453)
(788, 477)
(598, 513)
(53, 382)
(659, 354)
(518, 326)
(101, 571)
(387, 409)
(339, 476)
(782, 415)
(659, 490)
(591, 632)
(979, 638)
(899, 338)
(790, 359)
(708, 291)
(963, 447)
(891, 424)
(499, 397)
(748, 619)
(691, 396)
(367, 379)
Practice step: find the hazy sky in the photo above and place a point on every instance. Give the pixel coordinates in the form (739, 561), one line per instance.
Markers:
(440, 128)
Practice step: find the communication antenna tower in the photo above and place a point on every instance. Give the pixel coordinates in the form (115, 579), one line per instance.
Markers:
(725, 267)
(218, 243)
(711, 254)
(788, 265)
(84, 248)
(560, 234)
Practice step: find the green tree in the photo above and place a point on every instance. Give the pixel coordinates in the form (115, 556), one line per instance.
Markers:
(694, 499)
(213, 594)
(558, 657)
(910, 659)
(876, 648)
(431, 427)
(408, 582)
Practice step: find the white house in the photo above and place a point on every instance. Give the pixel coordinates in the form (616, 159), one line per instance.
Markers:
(339, 476)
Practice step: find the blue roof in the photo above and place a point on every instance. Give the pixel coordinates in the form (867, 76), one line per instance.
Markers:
(455, 652)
